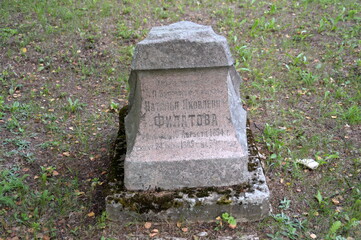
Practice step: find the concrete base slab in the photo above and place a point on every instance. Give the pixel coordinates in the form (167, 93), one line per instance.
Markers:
(246, 202)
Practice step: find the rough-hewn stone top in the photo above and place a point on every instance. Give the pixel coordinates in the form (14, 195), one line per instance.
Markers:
(181, 45)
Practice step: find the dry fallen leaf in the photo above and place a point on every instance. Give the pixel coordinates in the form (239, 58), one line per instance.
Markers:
(339, 209)
(202, 234)
(155, 231)
(66, 154)
(147, 225)
(184, 229)
(78, 193)
(335, 201)
(233, 226)
(152, 234)
(55, 173)
(179, 224)
(91, 214)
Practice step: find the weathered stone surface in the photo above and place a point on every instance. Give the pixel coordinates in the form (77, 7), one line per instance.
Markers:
(248, 202)
(182, 45)
(186, 126)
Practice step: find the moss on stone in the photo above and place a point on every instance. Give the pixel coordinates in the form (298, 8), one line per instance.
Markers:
(117, 154)
(145, 202)
(189, 191)
(224, 200)
(253, 162)
(202, 193)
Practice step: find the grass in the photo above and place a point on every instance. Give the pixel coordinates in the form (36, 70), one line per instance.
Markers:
(63, 76)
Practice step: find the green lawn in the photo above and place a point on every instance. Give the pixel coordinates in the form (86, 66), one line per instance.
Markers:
(64, 66)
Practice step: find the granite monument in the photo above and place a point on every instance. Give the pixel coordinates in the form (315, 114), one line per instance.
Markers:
(188, 150)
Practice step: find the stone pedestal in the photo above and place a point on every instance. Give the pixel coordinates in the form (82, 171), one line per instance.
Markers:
(186, 126)
(187, 153)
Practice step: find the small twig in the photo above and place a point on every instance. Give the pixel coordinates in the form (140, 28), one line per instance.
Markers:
(255, 125)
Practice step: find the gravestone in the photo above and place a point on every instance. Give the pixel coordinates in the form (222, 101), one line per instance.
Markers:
(189, 154)
(186, 126)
